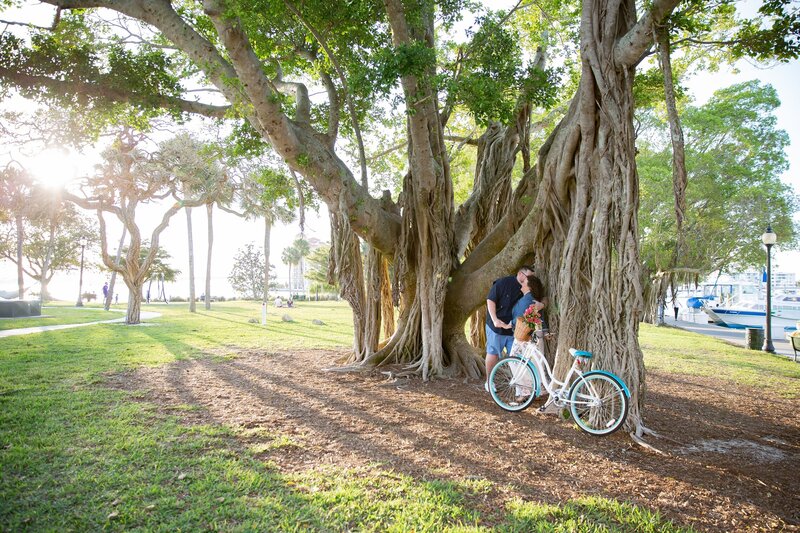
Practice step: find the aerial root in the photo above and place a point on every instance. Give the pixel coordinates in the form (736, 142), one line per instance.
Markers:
(348, 368)
(638, 440)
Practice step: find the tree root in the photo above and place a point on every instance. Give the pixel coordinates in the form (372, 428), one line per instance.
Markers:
(348, 368)
(638, 440)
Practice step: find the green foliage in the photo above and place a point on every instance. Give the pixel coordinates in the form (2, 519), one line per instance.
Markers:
(195, 166)
(734, 156)
(318, 261)
(648, 89)
(493, 76)
(160, 268)
(247, 274)
(774, 34)
(79, 50)
(69, 227)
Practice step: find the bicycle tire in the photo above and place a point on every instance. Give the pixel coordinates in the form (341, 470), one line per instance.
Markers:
(609, 399)
(513, 384)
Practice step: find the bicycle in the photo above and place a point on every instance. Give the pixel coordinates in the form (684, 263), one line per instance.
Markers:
(598, 400)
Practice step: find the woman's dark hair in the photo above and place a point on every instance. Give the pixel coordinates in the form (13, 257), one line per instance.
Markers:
(537, 289)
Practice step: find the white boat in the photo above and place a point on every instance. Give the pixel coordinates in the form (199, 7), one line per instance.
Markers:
(739, 318)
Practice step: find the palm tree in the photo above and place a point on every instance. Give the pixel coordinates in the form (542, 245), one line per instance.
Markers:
(290, 256)
(266, 193)
(196, 169)
(303, 249)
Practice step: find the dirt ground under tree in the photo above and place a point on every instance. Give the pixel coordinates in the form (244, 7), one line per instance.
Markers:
(732, 453)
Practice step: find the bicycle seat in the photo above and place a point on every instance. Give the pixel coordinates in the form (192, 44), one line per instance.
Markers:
(580, 353)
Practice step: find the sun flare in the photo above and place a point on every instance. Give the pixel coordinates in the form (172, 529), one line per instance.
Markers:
(55, 167)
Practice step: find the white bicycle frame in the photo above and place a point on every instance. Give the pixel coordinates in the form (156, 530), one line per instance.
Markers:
(558, 393)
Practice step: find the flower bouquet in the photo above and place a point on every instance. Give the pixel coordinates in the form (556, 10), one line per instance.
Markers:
(530, 320)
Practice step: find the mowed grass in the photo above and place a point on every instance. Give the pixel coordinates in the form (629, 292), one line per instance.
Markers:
(75, 455)
(61, 314)
(675, 351)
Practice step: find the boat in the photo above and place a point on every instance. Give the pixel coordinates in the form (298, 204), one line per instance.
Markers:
(741, 304)
(738, 318)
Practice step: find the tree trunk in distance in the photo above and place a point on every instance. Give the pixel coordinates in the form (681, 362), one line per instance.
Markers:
(192, 302)
(108, 301)
(47, 259)
(210, 213)
(20, 275)
(267, 232)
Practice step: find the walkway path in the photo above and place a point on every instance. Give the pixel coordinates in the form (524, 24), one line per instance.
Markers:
(39, 329)
(733, 336)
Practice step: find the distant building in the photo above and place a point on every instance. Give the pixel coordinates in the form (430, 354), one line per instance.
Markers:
(780, 280)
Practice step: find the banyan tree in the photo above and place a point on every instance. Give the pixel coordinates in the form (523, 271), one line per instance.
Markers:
(309, 78)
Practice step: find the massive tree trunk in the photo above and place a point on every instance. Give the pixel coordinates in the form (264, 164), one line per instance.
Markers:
(583, 227)
(190, 238)
(209, 213)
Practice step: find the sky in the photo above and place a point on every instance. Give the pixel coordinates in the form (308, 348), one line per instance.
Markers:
(232, 233)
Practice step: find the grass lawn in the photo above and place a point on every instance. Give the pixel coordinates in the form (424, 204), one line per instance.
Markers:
(675, 351)
(53, 314)
(75, 455)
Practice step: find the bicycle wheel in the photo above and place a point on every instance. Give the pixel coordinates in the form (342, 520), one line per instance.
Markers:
(598, 403)
(513, 384)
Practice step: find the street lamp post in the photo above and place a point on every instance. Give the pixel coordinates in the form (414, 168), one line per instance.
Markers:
(769, 238)
(79, 303)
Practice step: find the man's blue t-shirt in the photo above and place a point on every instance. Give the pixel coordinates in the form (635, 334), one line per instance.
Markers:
(504, 293)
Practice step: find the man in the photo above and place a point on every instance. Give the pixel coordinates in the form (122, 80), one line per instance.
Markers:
(499, 303)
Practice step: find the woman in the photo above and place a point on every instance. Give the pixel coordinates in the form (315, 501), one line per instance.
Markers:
(532, 293)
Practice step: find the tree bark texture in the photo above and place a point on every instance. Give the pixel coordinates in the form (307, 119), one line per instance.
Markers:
(134, 312)
(345, 267)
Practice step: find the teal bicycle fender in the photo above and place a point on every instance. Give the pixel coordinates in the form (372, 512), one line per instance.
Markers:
(612, 376)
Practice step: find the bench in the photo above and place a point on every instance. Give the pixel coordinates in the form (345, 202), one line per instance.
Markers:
(795, 339)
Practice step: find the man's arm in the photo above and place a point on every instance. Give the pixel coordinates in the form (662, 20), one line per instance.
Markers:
(491, 307)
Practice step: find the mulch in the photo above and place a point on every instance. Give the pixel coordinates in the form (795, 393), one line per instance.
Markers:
(731, 453)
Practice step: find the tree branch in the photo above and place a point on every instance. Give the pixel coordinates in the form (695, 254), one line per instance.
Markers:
(628, 51)
(343, 79)
(29, 82)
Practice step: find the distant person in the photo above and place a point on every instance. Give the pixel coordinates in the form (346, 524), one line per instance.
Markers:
(676, 308)
(105, 291)
(116, 298)
(148, 296)
(499, 305)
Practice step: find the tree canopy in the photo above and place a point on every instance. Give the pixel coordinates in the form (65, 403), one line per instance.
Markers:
(735, 156)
